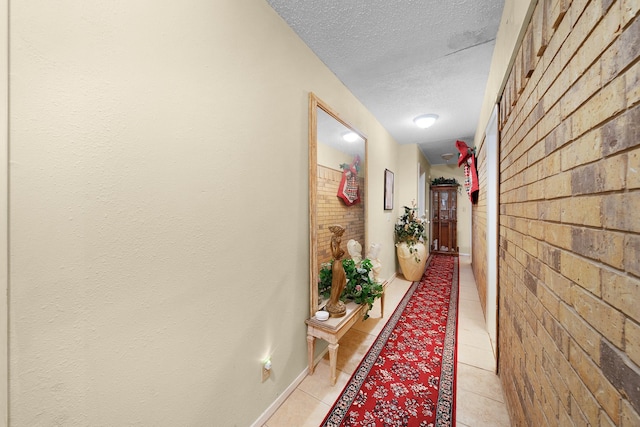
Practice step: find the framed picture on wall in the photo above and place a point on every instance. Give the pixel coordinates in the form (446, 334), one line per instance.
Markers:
(388, 190)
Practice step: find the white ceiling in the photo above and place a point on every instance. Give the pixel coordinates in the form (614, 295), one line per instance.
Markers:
(404, 58)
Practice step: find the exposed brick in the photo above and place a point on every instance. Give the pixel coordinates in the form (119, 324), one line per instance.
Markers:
(609, 101)
(549, 255)
(584, 150)
(608, 175)
(570, 236)
(559, 235)
(333, 211)
(558, 136)
(632, 254)
(588, 84)
(587, 179)
(582, 272)
(539, 41)
(564, 419)
(584, 20)
(630, 417)
(550, 401)
(530, 282)
(606, 4)
(537, 230)
(550, 210)
(556, 332)
(622, 132)
(605, 421)
(559, 284)
(584, 210)
(629, 48)
(632, 77)
(617, 211)
(583, 334)
(599, 245)
(601, 316)
(597, 384)
(550, 121)
(584, 408)
(605, 34)
(630, 9)
(549, 301)
(615, 172)
(621, 372)
(550, 361)
(534, 266)
(632, 341)
(633, 169)
(622, 292)
(578, 418)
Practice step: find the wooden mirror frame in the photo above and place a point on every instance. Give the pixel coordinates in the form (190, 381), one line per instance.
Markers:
(314, 104)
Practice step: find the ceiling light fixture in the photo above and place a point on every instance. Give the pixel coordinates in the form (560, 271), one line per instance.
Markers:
(425, 120)
(447, 156)
(350, 136)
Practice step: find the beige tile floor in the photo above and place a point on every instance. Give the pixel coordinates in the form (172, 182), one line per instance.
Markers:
(480, 399)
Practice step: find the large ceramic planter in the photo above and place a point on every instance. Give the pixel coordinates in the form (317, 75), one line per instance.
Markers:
(412, 269)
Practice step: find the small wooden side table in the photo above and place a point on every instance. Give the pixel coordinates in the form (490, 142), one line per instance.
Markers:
(332, 330)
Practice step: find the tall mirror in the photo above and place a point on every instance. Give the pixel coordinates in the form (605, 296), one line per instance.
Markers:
(335, 197)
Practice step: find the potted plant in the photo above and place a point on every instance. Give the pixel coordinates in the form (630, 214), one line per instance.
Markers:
(410, 247)
(360, 287)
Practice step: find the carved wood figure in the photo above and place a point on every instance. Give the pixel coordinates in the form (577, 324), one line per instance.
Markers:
(335, 307)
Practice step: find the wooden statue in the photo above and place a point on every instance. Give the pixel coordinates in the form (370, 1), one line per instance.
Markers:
(335, 307)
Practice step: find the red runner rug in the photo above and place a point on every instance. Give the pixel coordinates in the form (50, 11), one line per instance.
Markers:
(407, 377)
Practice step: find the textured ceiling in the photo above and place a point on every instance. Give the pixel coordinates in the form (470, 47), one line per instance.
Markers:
(405, 58)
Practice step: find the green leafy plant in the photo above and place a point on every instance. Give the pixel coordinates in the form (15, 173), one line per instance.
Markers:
(360, 287)
(410, 229)
(444, 181)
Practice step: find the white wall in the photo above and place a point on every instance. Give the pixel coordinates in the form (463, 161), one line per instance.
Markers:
(158, 209)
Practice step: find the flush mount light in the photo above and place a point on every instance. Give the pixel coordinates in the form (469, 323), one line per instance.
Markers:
(446, 157)
(350, 136)
(425, 120)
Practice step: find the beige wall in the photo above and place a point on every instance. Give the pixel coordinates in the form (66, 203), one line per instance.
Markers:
(4, 220)
(410, 160)
(569, 239)
(159, 209)
(408, 174)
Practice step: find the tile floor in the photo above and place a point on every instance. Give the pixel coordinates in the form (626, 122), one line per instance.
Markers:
(480, 399)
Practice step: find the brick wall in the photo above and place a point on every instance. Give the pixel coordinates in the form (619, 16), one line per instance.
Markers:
(569, 285)
(479, 231)
(332, 211)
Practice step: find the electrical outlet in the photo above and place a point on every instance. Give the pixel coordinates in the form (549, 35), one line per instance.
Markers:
(266, 370)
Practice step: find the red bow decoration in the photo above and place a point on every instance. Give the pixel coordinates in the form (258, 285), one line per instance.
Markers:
(348, 189)
(468, 158)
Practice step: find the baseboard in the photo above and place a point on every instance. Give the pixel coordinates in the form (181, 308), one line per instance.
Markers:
(268, 413)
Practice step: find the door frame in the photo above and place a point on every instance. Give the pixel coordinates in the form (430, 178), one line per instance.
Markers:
(493, 218)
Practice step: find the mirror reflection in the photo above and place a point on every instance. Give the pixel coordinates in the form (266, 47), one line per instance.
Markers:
(337, 185)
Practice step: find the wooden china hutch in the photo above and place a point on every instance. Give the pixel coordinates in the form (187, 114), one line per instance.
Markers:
(444, 219)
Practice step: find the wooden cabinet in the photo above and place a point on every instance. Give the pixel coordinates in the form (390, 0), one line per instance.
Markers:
(444, 219)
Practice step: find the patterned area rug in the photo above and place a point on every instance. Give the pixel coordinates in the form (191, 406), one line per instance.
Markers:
(407, 377)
